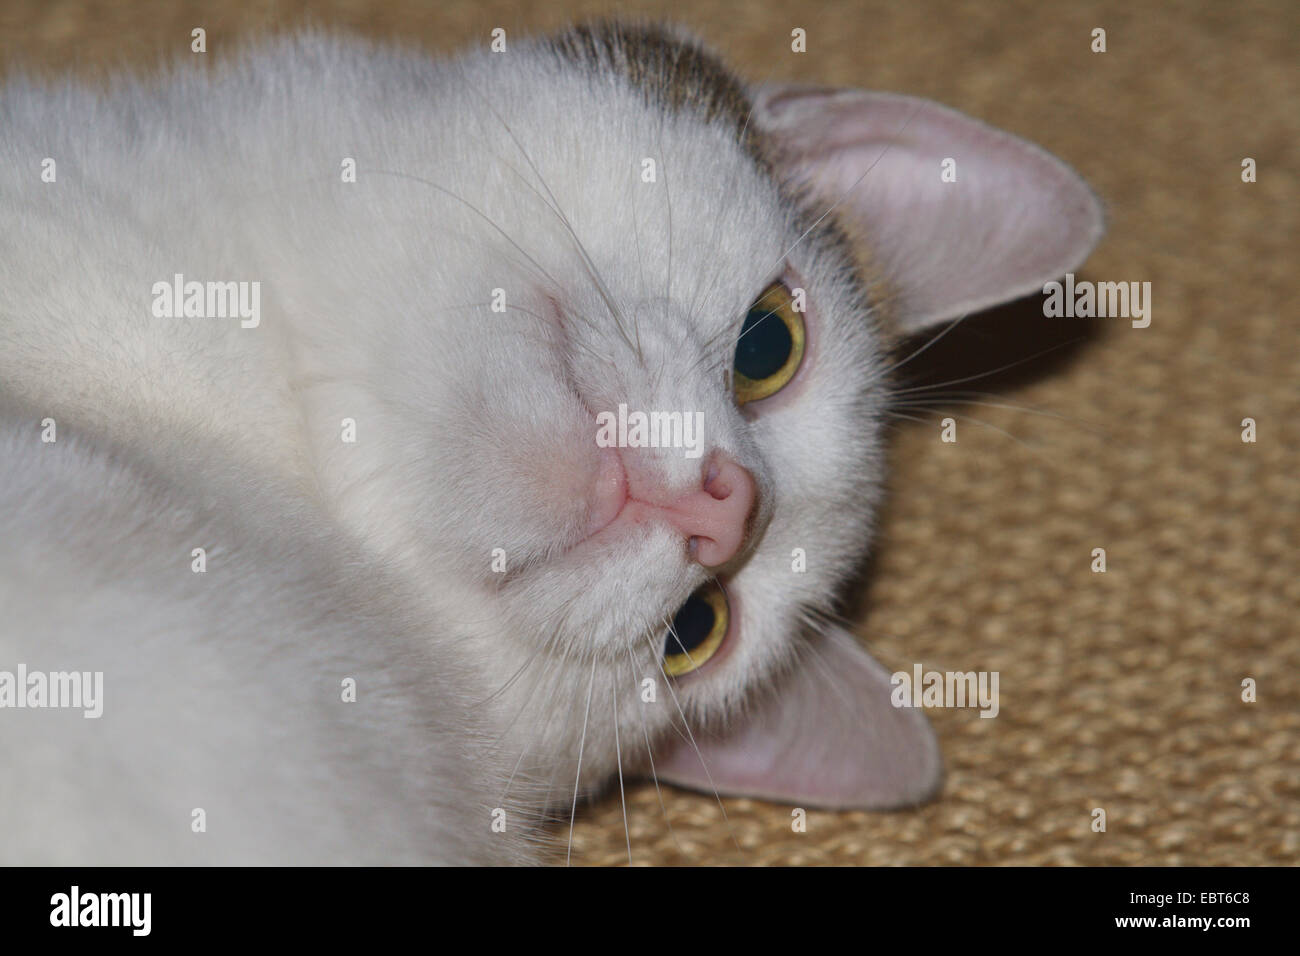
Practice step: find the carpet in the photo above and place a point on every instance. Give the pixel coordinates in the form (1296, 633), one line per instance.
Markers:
(1120, 690)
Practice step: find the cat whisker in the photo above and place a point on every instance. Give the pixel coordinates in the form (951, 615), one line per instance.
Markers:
(538, 681)
(696, 747)
(929, 342)
(760, 321)
(618, 755)
(514, 770)
(708, 353)
(910, 418)
(979, 421)
(512, 678)
(645, 730)
(577, 777)
(588, 263)
(478, 212)
(979, 375)
(813, 654)
(640, 255)
(710, 346)
(942, 399)
(543, 650)
(577, 342)
(820, 619)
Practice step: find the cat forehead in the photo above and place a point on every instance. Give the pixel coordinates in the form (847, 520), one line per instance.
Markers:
(649, 146)
(635, 143)
(672, 71)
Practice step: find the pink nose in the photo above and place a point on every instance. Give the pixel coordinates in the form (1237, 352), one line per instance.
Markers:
(715, 517)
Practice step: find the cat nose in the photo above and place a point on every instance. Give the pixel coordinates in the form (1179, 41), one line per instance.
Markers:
(716, 517)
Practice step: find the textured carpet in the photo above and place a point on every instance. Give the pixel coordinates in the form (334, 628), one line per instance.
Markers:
(1118, 690)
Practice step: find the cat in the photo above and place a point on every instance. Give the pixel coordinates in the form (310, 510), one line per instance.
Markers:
(302, 359)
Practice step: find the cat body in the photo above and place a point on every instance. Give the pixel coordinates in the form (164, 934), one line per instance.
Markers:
(343, 318)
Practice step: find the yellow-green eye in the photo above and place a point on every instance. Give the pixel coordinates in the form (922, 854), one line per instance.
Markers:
(770, 347)
(697, 631)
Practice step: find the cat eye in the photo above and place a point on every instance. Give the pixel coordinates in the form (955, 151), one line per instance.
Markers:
(697, 631)
(770, 347)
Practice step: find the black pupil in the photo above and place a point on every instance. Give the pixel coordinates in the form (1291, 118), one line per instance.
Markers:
(764, 345)
(691, 625)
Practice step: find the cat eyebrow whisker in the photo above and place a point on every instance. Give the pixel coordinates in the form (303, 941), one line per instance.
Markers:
(760, 321)
(554, 206)
(711, 344)
(706, 355)
(474, 209)
(574, 342)
(588, 264)
(707, 350)
(510, 306)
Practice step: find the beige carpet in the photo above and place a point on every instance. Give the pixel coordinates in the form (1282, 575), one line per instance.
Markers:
(1118, 690)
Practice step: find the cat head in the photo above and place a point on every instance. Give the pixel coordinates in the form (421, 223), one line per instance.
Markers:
(658, 413)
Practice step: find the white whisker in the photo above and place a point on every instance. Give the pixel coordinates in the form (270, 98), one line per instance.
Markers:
(573, 810)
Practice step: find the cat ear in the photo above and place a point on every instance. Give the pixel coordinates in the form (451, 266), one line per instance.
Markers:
(958, 215)
(826, 735)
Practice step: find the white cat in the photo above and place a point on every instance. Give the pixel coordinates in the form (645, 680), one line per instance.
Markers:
(301, 363)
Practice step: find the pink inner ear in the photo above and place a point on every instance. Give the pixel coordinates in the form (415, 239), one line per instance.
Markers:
(1014, 218)
(826, 735)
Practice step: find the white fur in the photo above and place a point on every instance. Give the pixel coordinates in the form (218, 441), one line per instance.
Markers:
(474, 432)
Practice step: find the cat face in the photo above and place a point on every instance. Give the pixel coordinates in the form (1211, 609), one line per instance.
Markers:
(625, 215)
(639, 241)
